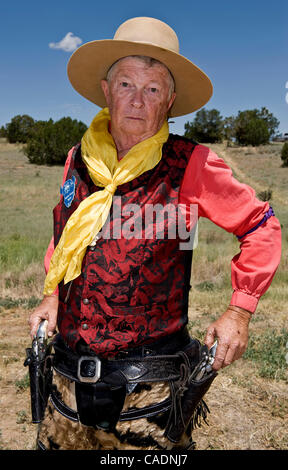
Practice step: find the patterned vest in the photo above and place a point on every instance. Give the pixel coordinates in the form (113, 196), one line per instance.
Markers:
(134, 285)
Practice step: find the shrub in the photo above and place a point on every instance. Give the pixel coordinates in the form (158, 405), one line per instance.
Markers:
(250, 129)
(208, 126)
(50, 141)
(19, 129)
(3, 132)
(255, 127)
(284, 154)
(265, 195)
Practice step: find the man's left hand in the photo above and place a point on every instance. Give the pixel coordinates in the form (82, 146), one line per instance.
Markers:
(231, 332)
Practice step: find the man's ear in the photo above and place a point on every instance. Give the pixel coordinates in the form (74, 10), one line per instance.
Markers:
(105, 89)
(171, 101)
(170, 104)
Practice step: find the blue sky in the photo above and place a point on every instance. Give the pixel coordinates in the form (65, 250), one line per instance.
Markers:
(242, 46)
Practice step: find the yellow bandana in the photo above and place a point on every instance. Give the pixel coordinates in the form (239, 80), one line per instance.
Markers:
(99, 153)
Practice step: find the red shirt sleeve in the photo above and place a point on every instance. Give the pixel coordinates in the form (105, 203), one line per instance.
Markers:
(51, 247)
(208, 182)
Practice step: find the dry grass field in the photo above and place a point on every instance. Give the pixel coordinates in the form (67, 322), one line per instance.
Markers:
(248, 400)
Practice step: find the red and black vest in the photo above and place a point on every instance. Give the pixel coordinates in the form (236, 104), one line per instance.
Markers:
(134, 289)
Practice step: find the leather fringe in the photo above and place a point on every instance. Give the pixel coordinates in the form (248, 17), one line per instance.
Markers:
(200, 414)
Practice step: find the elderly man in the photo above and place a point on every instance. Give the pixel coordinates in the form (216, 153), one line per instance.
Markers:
(124, 364)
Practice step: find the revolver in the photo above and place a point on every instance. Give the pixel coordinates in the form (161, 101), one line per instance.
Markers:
(39, 361)
(205, 365)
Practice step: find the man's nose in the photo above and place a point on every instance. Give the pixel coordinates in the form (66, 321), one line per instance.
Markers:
(137, 99)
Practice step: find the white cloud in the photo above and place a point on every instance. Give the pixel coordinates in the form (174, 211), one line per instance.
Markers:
(68, 44)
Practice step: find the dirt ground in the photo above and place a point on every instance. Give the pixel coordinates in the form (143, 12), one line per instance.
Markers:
(246, 412)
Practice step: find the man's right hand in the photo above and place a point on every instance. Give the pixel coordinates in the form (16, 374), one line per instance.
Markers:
(47, 310)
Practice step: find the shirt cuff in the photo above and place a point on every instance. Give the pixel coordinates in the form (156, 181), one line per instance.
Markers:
(244, 300)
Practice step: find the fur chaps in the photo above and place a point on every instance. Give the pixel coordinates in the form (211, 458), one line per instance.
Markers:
(59, 433)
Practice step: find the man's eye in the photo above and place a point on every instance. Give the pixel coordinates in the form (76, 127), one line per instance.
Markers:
(124, 84)
(153, 90)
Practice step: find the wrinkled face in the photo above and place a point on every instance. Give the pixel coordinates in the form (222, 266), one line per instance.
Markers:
(138, 97)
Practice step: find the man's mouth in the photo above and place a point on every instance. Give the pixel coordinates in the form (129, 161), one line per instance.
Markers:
(135, 118)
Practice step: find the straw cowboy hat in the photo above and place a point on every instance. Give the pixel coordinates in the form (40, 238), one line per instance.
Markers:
(150, 37)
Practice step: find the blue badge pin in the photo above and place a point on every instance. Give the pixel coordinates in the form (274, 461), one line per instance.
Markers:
(68, 191)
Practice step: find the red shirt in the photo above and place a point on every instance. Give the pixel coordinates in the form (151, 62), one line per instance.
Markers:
(208, 182)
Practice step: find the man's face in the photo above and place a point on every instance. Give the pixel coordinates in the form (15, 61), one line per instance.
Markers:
(138, 98)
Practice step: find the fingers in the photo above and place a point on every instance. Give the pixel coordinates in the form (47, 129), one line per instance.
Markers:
(231, 332)
(37, 317)
(51, 325)
(227, 353)
(210, 337)
(47, 310)
(35, 320)
(223, 357)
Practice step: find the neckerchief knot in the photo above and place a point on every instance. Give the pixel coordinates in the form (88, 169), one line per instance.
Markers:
(111, 188)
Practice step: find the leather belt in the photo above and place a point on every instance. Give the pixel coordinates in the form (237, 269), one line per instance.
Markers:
(152, 368)
(90, 369)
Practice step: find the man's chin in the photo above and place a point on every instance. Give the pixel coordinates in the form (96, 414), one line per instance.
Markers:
(135, 127)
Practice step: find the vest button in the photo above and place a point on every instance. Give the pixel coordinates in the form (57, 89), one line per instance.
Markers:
(85, 326)
(85, 301)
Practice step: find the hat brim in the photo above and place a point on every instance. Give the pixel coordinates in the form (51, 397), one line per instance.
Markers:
(90, 63)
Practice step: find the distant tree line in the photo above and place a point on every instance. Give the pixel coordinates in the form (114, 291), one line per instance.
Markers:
(46, 142)
(251, 127)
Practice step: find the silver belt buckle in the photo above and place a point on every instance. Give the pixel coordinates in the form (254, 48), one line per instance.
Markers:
(97, 373)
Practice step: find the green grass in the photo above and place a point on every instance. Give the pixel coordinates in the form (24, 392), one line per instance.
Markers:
(8, 303)
(19, 251)
(268, 351)
(23, 384)
(28, 195)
